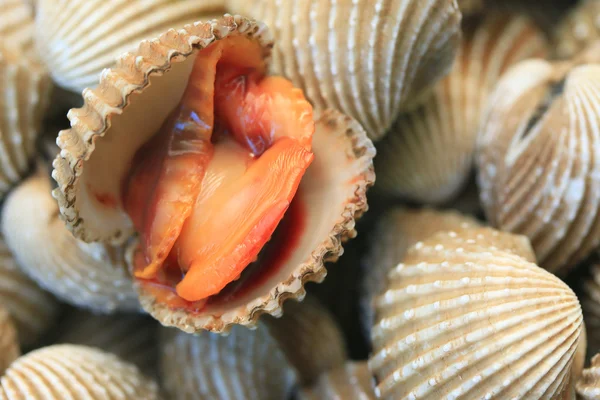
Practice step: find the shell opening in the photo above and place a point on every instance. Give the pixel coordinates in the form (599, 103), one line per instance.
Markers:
(553, 90)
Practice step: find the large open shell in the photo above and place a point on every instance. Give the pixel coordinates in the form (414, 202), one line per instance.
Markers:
(369, 59)
(9, 343)
(352, 381)
(463, 319)
(74, 372)
(539, 158)
(578, 29)
(246, 364)
(16, 23)
(32, 310)
(588, 387)
(427, 156)
(90, 275)
(77, 39)
(96, 153)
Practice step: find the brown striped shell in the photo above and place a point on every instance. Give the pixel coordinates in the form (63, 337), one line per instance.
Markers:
(246, 364)
(9, 342)
(32, 310)
(462, 319)
(588, 386)
(16, 23)
(352, 381)
(366, 58)
(578, 29)
(77, 39)
(89, 275)
(63, 372)
(427, 157)
(538, 158)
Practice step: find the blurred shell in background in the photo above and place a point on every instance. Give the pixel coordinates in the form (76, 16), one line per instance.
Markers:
(468, 7)
(16, 23)
(465, 319)
(588, 387)
(579, 28)
(246, 364)
(590, 304)
(9, 342)
(342, 55)
(427, 156)
(74, 372)
(89, 275)
(352, 381)
(77, 39)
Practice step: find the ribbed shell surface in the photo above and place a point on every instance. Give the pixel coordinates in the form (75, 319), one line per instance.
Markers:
(16, 23)
(352, 381)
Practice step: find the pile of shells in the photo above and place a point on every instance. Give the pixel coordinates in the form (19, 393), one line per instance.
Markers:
(178, 178)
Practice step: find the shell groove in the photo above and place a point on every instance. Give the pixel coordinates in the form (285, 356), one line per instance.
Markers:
(9, 342)
(246, 364)
(427, 156)
(368, 59)
(16, 23)
(539, 158)
(352, 381)
(32, 310)
(465, 320)
(74, 372)
(77, 39)
(86, 275)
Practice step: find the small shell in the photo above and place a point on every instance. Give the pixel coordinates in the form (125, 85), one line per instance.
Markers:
(588, 386)
(578, 29)
(538, 152)
(353, 381)
(590, 304)
(131, 337)
(24, 92)
(310, 339)
(368, 59)
(246, 364)
(32, 310)
(461, 319)
(9, 343)
(16, 23)
(427, 156)
(86, 275)
(77, 39)
(74, 372)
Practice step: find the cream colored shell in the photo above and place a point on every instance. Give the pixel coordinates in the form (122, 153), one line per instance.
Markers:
(352, 381)
(77, 39)
(578, 29)
(16, 23)
(32, 310)
(9, 342)
(588, 386)
(63, 372)
(539, 158)
(366, 58)
(246, 364)
(465, 320)
(427, 157)
(90, 275)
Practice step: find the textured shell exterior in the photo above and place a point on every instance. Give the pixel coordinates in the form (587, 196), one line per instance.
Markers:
(74, 372)
(427, 156)
(77, 39)
(16, 23)
(32, 310)
(462, 319)
(9, 342)
(24, 92)
(369, 59)
(246, 364)
(131, 337)
(352, 381)
(588, 386)
(590, 304)
(310, 338)
(538, 159)
(578, 29)
(89, 275)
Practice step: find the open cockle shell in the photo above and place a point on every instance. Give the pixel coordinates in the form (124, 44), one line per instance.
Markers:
(77, 39)
(369, 59)
(246, 364)
(539, 158)
(89, 275)
(9, 343)
(578, 29)
(74, 372)
(16, 23)
(32, 310)
(352, 381)
(463, 319)
(427, 156)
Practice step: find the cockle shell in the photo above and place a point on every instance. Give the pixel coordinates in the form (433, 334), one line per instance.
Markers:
(578, 29)
(352, 381)
(24, 91)
(16, 23)
(368, 59)
(32, 310)
(9, 343)
(89, 275)
(463, 319)
(335, 185)
(310, 339)
(246, 364)
(427, 156)
(538, 152)
(77, 39)
(62, 372)
(588, 386)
